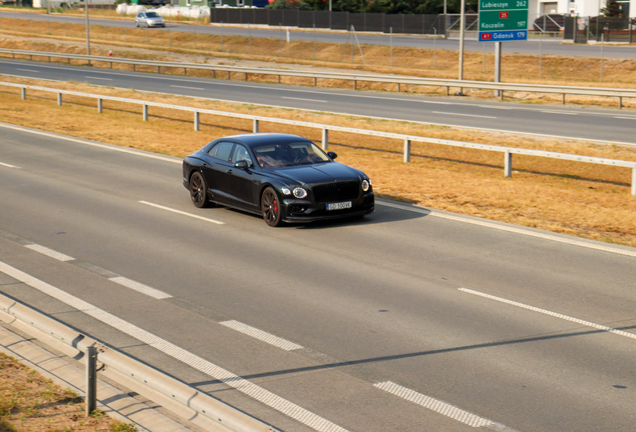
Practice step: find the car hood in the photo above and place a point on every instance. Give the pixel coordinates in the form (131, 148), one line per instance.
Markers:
(319, 173)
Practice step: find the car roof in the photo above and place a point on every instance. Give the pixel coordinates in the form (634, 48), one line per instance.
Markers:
(256, 139)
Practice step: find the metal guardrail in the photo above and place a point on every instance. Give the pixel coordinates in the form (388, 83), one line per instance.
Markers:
(407, 139)
(176, 396)
(391, 79)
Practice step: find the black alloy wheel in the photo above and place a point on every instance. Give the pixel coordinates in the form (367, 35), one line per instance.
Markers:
(270, 206)
(198, 191)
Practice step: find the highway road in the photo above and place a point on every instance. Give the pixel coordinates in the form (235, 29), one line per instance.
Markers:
(411, 319)
(593, 124)
(414, 41)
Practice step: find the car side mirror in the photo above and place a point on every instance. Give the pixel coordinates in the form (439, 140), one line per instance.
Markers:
(242, 164)
(332, 155)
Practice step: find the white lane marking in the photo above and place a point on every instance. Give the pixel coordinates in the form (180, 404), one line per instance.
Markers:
(96, 144)
(261, 335)
(49, 252)
(626, 118)
(436, 405)
(559, 112)
(186, 87)
(105, 79)
(139, 287)
(241, 384)
(553, 314)
(182, 213)
(8, 166)
(28, 70)
(525, 232)
(463, 115)
(303, 99)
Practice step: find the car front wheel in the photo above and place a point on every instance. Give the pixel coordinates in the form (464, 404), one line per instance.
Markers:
(198, 191)
(270, 206)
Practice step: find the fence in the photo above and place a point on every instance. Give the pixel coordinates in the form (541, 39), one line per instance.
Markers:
(186, 401)
(392, 79)
(407, 139)
(369, 22)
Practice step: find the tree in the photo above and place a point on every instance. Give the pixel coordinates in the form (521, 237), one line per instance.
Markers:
(612, 9)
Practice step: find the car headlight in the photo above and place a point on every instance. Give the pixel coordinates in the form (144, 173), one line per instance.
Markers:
(286, 191)
(300, 192)
(365, 185)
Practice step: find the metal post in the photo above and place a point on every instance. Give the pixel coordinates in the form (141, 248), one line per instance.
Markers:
(145, 112)
(280, 26)
(435, 48)
(391, 40)
(497, 65)
(325, 139)
(407, 150)
(620, 102)
(314, 41)
(508, 164)
(602, 43)
(91, 380)
(196, 121)
(255, 128)
(100, 105)
(462, 24)
(88, 33)
(249, 35)
(634, 181)
(23, 93)
(59, 99)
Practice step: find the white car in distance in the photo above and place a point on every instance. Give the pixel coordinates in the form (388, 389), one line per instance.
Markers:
(149, 19)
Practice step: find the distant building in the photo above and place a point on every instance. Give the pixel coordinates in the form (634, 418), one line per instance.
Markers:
(583, 8)
(213, 3)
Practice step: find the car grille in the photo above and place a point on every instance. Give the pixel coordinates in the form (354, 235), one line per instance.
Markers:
(334, 192)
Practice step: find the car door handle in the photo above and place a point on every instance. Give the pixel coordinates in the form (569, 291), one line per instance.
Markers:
(229, 172)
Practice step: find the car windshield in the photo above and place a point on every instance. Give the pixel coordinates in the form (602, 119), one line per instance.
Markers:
(289, 154)
(152, 15)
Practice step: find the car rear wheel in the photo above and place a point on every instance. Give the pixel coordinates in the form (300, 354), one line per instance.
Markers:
(198, 191)
(270, 206)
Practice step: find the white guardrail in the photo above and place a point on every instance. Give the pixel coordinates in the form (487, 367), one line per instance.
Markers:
(176, 396)
(407, 139)
(392, 79)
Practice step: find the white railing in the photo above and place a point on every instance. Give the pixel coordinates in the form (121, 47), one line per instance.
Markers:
(187, 402)
(407, 139)
(392, 79)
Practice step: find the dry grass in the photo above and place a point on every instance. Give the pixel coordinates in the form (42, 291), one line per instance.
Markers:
(580, 199)
(520, 68)
(30, 402)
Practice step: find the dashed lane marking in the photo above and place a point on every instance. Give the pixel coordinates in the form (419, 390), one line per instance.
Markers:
(439, 407)
(49, 252)
(241, 384)
(261, 335)
(139, 287)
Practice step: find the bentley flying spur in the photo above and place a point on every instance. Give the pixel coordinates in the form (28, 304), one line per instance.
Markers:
(283, 177)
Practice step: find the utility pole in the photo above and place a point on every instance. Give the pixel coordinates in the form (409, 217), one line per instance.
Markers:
(462, 29)
(88, 32)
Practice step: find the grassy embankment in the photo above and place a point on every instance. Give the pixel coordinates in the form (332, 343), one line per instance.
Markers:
(31, 403)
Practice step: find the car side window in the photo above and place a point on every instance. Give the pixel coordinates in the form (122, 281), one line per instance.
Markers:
(222, 150)
(241, 153)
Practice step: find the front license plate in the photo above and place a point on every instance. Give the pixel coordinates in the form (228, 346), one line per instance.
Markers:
(339, 206)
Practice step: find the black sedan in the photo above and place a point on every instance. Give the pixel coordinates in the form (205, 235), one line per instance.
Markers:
(285, 178)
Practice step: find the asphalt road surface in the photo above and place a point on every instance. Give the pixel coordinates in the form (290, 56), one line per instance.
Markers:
(523, 47)
(407, 320)
(568, 122)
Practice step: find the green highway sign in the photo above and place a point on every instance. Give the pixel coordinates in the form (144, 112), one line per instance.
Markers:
(501, 20)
